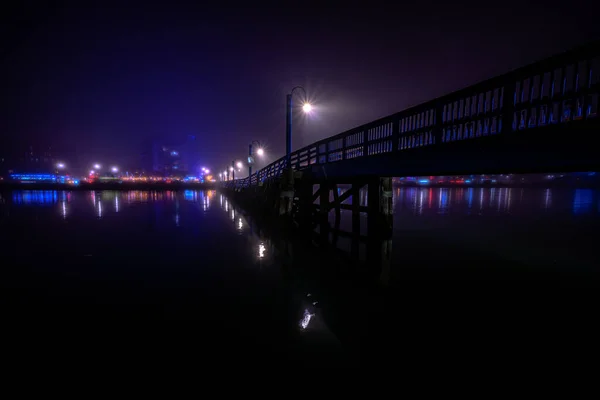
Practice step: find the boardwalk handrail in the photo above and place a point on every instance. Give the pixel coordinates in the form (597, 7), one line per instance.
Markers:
(560, 89)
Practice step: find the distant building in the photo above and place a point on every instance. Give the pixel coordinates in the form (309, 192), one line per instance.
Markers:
(40, 159)
(176, 159)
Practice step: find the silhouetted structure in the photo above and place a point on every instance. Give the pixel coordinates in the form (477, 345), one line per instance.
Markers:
(539, 118)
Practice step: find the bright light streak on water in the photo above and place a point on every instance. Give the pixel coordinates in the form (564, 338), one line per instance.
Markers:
(117, 203)
(240, 224)
(480, 199)
(305, 321)
(500, 199)
(471, 197)
(99, 209)
(261, 251)
(64, 209)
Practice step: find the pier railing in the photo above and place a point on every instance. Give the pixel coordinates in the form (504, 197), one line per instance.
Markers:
(562, 89)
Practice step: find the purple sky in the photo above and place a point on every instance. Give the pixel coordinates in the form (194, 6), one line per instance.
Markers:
(100, 82)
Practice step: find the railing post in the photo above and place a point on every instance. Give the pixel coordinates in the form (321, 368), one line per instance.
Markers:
(438, 123)
(508, 106)
(395, 134)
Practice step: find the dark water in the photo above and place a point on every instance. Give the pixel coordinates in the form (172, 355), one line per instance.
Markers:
(553, 229)
(146, 275)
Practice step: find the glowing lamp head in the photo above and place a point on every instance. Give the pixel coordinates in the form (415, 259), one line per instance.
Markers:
(306, 107)
(60, 165)
(114, 169)
(260, 152)
(96, 166)
(239, 164)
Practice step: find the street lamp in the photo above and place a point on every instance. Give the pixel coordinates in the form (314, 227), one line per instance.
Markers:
(260, 152)
(60, 165)
(306, 107)
(114, 169)
(239, 165)
(96, 166)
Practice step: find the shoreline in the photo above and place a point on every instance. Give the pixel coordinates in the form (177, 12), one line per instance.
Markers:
(108, 186)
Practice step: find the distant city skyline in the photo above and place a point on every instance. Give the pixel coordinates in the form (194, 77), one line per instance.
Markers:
(100, 82)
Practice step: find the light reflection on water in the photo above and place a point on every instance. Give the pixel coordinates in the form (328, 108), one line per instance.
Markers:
(488, 200)
(175, 232)
(37, 197)
(418, 201)
(104, 201)
(411, 206)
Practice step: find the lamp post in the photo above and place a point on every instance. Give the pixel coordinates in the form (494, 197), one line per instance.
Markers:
(260, 152)
(306, 107)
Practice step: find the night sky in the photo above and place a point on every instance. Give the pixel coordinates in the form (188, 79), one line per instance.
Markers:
(100, 82)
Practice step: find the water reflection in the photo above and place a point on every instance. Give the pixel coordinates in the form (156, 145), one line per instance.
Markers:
(547, 198)
(492, 200)
(306, 317)
(34, 197)
(442, 201)
(485, 200)
(582, 201)
(64, 198)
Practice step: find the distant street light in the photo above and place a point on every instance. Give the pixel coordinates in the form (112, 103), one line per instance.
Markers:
(239, 165)
(306, 107)
(96, 166)
(260, 152)
(60, 165)
(114, 169)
